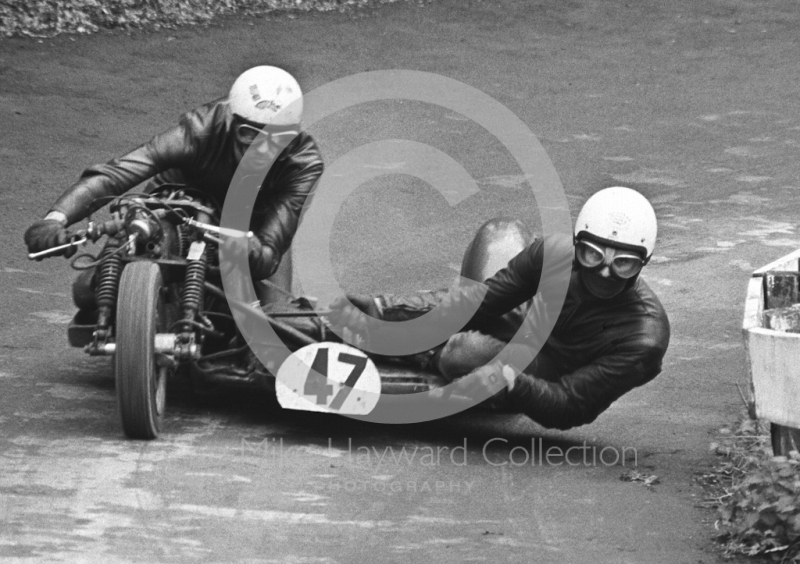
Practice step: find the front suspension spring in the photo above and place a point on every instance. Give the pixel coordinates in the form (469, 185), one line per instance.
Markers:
(193, 287)
(108, 277)
(184, 240)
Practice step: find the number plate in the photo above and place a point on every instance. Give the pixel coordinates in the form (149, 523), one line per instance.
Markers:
(328, 377)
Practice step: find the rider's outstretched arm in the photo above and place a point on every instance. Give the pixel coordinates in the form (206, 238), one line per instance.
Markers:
(190, 145)
(117, 176)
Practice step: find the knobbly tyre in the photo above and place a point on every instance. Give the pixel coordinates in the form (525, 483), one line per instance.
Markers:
(161, 312)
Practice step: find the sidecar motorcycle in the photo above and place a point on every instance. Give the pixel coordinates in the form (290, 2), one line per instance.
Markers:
(159, 304)
(161, 311)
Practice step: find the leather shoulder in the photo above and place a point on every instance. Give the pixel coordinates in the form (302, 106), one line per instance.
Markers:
(210, 119)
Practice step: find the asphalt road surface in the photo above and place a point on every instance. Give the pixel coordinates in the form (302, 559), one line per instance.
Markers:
(696, 104)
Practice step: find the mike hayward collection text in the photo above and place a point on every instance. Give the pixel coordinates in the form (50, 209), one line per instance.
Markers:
(495, 451)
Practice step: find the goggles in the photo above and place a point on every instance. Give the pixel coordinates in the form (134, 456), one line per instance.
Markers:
(623, 264)
(248, 134)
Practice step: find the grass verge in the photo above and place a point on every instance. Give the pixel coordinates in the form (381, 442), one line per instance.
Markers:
(48, 18)
(756, 495)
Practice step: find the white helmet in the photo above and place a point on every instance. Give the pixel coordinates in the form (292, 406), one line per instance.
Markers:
(261, 94)
(619, 216)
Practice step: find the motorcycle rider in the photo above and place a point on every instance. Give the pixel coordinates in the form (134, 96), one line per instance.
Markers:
(609, 337)
(258, 122)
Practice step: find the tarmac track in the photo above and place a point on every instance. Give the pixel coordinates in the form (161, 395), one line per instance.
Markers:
(694, 103)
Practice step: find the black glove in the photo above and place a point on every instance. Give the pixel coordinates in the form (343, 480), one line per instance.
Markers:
(48, 233)
(261, 258)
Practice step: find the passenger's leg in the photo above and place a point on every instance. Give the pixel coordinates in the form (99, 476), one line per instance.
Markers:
(466, 351)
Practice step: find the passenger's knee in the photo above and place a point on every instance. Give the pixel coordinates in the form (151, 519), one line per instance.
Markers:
(466, 351)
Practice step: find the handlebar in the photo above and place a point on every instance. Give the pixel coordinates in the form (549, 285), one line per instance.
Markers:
(120, 209)
(95, 231)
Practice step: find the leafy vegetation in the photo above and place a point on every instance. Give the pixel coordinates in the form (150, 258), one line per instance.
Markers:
(47, 18)
(756, 495)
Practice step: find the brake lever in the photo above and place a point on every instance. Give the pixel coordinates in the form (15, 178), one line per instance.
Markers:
(92, 233)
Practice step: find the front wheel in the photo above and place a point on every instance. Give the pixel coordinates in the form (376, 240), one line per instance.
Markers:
(141, 383)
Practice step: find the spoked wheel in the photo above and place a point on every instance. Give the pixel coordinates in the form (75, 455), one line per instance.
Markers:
(141, 383)
(784, 439)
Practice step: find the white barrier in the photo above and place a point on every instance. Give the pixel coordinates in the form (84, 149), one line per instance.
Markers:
(773, 357)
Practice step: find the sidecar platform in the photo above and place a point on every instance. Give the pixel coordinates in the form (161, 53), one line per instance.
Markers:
(395, 378)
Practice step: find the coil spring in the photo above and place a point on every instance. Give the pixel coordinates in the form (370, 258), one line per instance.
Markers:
(212, 253)
(193, 287)
(109, 274)
(183, 240)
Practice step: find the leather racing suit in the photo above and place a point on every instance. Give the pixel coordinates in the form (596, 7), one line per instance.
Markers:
(598, 350)
(199, 152)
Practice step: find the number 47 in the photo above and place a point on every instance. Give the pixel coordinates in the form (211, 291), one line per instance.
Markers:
(317, 383)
